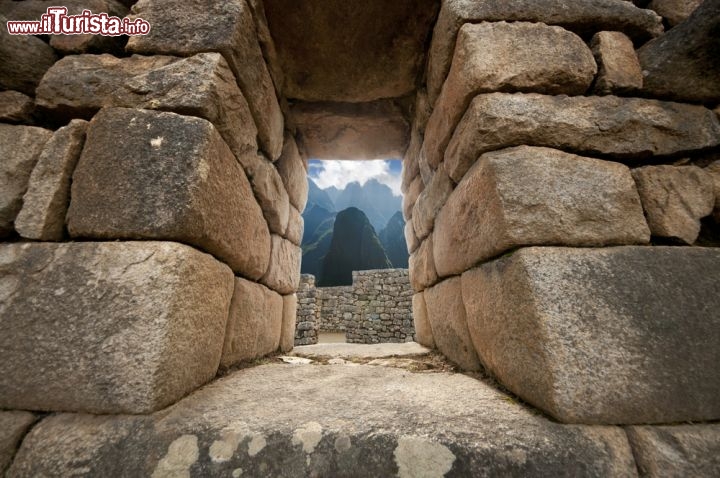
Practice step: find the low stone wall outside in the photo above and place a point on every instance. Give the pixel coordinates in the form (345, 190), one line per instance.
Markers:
(377, 308)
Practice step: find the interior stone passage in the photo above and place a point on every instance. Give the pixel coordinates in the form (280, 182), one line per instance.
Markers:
(560, 219)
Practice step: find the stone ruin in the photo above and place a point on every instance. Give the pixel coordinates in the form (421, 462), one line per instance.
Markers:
(376, 308)
(562, 197)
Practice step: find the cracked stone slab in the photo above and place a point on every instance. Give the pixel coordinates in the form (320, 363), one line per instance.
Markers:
(327, 421)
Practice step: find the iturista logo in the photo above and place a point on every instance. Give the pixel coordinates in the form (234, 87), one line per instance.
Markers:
(57, 22)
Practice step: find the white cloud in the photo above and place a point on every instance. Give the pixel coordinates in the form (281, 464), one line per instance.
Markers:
(336, 173)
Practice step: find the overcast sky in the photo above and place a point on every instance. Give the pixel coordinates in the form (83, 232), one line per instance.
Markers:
(328, 173)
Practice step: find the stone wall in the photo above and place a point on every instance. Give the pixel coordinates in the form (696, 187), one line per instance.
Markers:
(377, 308)
(562, 198)
(336, 306)
(306, 328)
(556, 212)
(383, 307)
(151, 207)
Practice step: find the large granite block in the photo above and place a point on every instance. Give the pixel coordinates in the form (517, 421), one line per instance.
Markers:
(627, 129)
(173, 179)
(187, 27)
(536, 196)
(79, 85)
(112, 327)
(625, 335)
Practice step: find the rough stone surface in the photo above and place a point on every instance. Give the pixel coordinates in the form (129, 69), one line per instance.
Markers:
(674, 11)
(429, 203)
(714, 171)
(136, 192)
(24, 59)
(623, 128)
(289, 321)
(410, 165)
(296, 227)
(375, 130)
(374, 421)
(293, 173)
(617, 335)
(79, 85)
(536, 196)
(381, 307)
(45, 203)
(254, 324)
(13, 426)
(306, 325)
(113, 327)
(618, 65)
(422, 266)
(16, 107)
(333, 50)
(675, 198)
(20, 147)
(676, 451)
(509, 57)
(446, 314)
(583, 17)
(684, 64)
(410, 238)
(423, 331)
(410, 197)
(187, 27)
(283, 274)
(269, 190)
(68, 44)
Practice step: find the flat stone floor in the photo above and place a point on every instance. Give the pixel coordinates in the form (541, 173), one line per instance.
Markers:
(355, 411)
(314, 419)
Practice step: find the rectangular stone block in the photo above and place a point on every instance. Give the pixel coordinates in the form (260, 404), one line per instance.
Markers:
(254, 325)
(368, 130)
(676, 451)
(184, 28)
(629, 129)
(429, 203)
(115, 327)
(536, 196)
(283, 274)
(618, 65)
(20, 148)
(448, 321)
(583, 17)
(622, 335)
(422, 266)
(293, 173)
(289, 321)
(45, 203)
(79, 85)
(423, 331)
(173, 179)
(509, 57)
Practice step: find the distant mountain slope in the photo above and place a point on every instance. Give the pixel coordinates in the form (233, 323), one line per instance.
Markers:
(317, 220)
(319, 197)
(392, 238)
(375, 199)
(354, 247)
